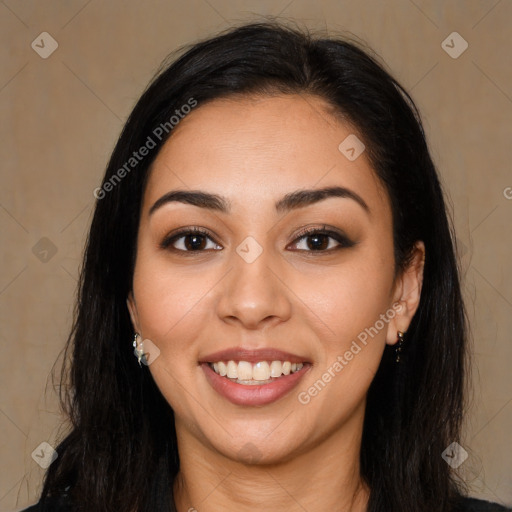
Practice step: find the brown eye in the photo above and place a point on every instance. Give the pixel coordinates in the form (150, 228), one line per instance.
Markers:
(312, 240)
(189, 240)
(321, 240)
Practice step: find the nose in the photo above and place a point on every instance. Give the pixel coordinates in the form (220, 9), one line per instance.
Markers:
(254, 293)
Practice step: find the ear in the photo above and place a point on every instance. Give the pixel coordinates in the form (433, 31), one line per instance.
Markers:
(407, 293)
(132, 308)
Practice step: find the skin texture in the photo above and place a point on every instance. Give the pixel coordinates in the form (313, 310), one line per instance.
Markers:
(253, 150)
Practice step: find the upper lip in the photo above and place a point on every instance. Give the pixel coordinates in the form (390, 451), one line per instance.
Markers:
(252, 356)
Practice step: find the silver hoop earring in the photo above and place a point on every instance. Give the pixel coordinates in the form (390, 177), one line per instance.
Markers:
(138, 348)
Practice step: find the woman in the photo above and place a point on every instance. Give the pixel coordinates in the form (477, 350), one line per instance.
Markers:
(269, 314)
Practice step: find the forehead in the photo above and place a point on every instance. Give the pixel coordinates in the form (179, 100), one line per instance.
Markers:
(255, 149)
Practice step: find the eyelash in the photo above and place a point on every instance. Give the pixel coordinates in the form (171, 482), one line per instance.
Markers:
(343, 241)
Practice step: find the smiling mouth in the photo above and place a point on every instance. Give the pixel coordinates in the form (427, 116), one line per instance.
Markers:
(259, 373)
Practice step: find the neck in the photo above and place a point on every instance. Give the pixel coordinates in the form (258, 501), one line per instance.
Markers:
(325, 477)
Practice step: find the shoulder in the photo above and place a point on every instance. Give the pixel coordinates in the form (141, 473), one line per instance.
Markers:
(465, 504)
(475, 505)
(59, 504)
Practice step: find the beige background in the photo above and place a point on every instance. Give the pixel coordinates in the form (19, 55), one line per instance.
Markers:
(61, 117)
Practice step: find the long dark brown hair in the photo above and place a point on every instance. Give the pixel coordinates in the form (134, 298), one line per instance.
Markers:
(121, 453)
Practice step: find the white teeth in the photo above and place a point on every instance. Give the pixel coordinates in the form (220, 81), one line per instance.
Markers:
(261, 372)
(244, 370)
(232, 372)
(276, 369)
(223, 370)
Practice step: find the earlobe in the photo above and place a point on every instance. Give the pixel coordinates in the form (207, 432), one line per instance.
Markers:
(407, 294)
(132, 308)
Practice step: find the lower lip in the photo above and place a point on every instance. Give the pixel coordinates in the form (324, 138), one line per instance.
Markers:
(241, 394)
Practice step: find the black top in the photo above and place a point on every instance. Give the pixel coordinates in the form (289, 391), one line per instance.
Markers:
(467, 505)
(474, 505)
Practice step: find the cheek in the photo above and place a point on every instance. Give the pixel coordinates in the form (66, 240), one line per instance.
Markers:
(345, 300)
(168, 296)
(175, 306)
(169, 305)
(348, 309)
(350, 349)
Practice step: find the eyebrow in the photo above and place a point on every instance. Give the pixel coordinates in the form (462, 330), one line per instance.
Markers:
(292, 201)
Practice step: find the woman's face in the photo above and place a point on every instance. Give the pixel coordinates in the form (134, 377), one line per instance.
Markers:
(257, 286)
